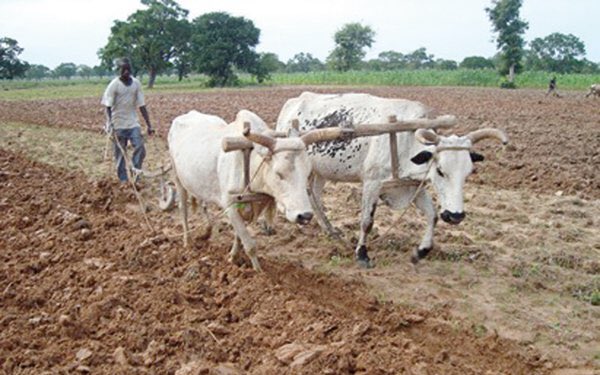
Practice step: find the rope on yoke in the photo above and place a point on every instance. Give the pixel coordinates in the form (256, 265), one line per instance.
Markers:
(223, 211)
(422, 184)
(410, 202)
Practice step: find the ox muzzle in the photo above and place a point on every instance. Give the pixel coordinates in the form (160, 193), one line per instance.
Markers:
(452, 217)
(304, 218)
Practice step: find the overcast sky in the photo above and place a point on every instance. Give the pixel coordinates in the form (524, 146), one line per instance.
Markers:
(57, 31)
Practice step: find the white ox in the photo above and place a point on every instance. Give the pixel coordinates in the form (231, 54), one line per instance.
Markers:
(594, 90)
(279, 168)
(367, 159)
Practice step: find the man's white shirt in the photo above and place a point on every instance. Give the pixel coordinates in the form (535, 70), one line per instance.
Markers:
(124, 100)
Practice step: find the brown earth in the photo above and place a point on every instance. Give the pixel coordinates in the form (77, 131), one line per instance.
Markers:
(555, 142)
(84, 287)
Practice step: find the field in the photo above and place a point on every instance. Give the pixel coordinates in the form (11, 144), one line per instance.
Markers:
(86, 286)
(78, 87)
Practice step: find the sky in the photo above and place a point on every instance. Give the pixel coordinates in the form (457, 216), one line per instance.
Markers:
(56, 31)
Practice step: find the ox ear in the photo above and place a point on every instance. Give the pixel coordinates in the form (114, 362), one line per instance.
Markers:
(475, 157)
(422, 157)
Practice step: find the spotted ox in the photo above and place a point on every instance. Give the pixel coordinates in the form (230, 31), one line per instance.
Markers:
(279, 166)
(594, 90)
(367, 160)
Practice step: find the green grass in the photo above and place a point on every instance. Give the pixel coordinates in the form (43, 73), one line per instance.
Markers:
(460, 77)
(71, 149)
(81, 88)
(77, 88)
(392, 78)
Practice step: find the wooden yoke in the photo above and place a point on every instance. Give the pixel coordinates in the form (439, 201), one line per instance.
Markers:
(394, 149)
(393, 127)
(367, 130)
(242, 144)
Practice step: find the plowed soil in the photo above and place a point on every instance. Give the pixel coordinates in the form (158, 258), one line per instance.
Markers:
(86, 287)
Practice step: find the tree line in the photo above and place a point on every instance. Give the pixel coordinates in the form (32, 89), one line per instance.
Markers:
(160, 39)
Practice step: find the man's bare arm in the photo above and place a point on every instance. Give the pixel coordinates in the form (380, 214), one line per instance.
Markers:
(146, 117)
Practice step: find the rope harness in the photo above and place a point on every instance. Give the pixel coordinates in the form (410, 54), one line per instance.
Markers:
(421, 185)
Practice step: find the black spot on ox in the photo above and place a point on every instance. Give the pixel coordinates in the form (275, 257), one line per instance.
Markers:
(342, 118)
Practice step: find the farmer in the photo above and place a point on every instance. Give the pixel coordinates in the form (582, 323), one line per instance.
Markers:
(552, 87)
(121, 98)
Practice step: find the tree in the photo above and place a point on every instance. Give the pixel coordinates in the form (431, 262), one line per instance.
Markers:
(388, 60)
(476, 62)
(151, 38)
(66, 70)
(101, 71)
(221, 43)
(556, 52)
(84, 71)
(590, 67)
(504, 16)
(10, 65)
(268, 63)
(37, 72)
(419, 59)
(350, 42)
(182, 58)
(445, 64)
(304, 62)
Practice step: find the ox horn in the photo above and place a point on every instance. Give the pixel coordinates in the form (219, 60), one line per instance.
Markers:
(427, 137)
(478, 135)
(261, 139)
(327, 134)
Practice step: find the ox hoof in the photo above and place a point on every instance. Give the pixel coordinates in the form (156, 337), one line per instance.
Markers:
(255, 264)
(362, 259)
(236, 260)
(334, 233)
(421, 253)
(267, 230)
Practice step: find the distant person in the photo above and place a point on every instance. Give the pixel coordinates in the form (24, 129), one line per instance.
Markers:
(122, 97)
(552, 88)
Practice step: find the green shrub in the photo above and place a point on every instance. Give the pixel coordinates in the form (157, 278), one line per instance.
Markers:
(508, 85)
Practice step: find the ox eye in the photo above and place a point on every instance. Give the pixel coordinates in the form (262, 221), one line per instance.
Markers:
(440, 173)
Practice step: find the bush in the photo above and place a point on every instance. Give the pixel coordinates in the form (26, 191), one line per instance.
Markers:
(507, 85)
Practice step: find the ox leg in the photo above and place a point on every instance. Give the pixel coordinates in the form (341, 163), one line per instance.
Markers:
(267, 225)
(370, 195)
(424, 203)
(244, 236)
(183, 201)
(399, 198)
(315, 192)
(235, 248)
(209, 222)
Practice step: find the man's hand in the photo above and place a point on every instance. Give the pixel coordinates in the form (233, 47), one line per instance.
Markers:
(151, 131)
